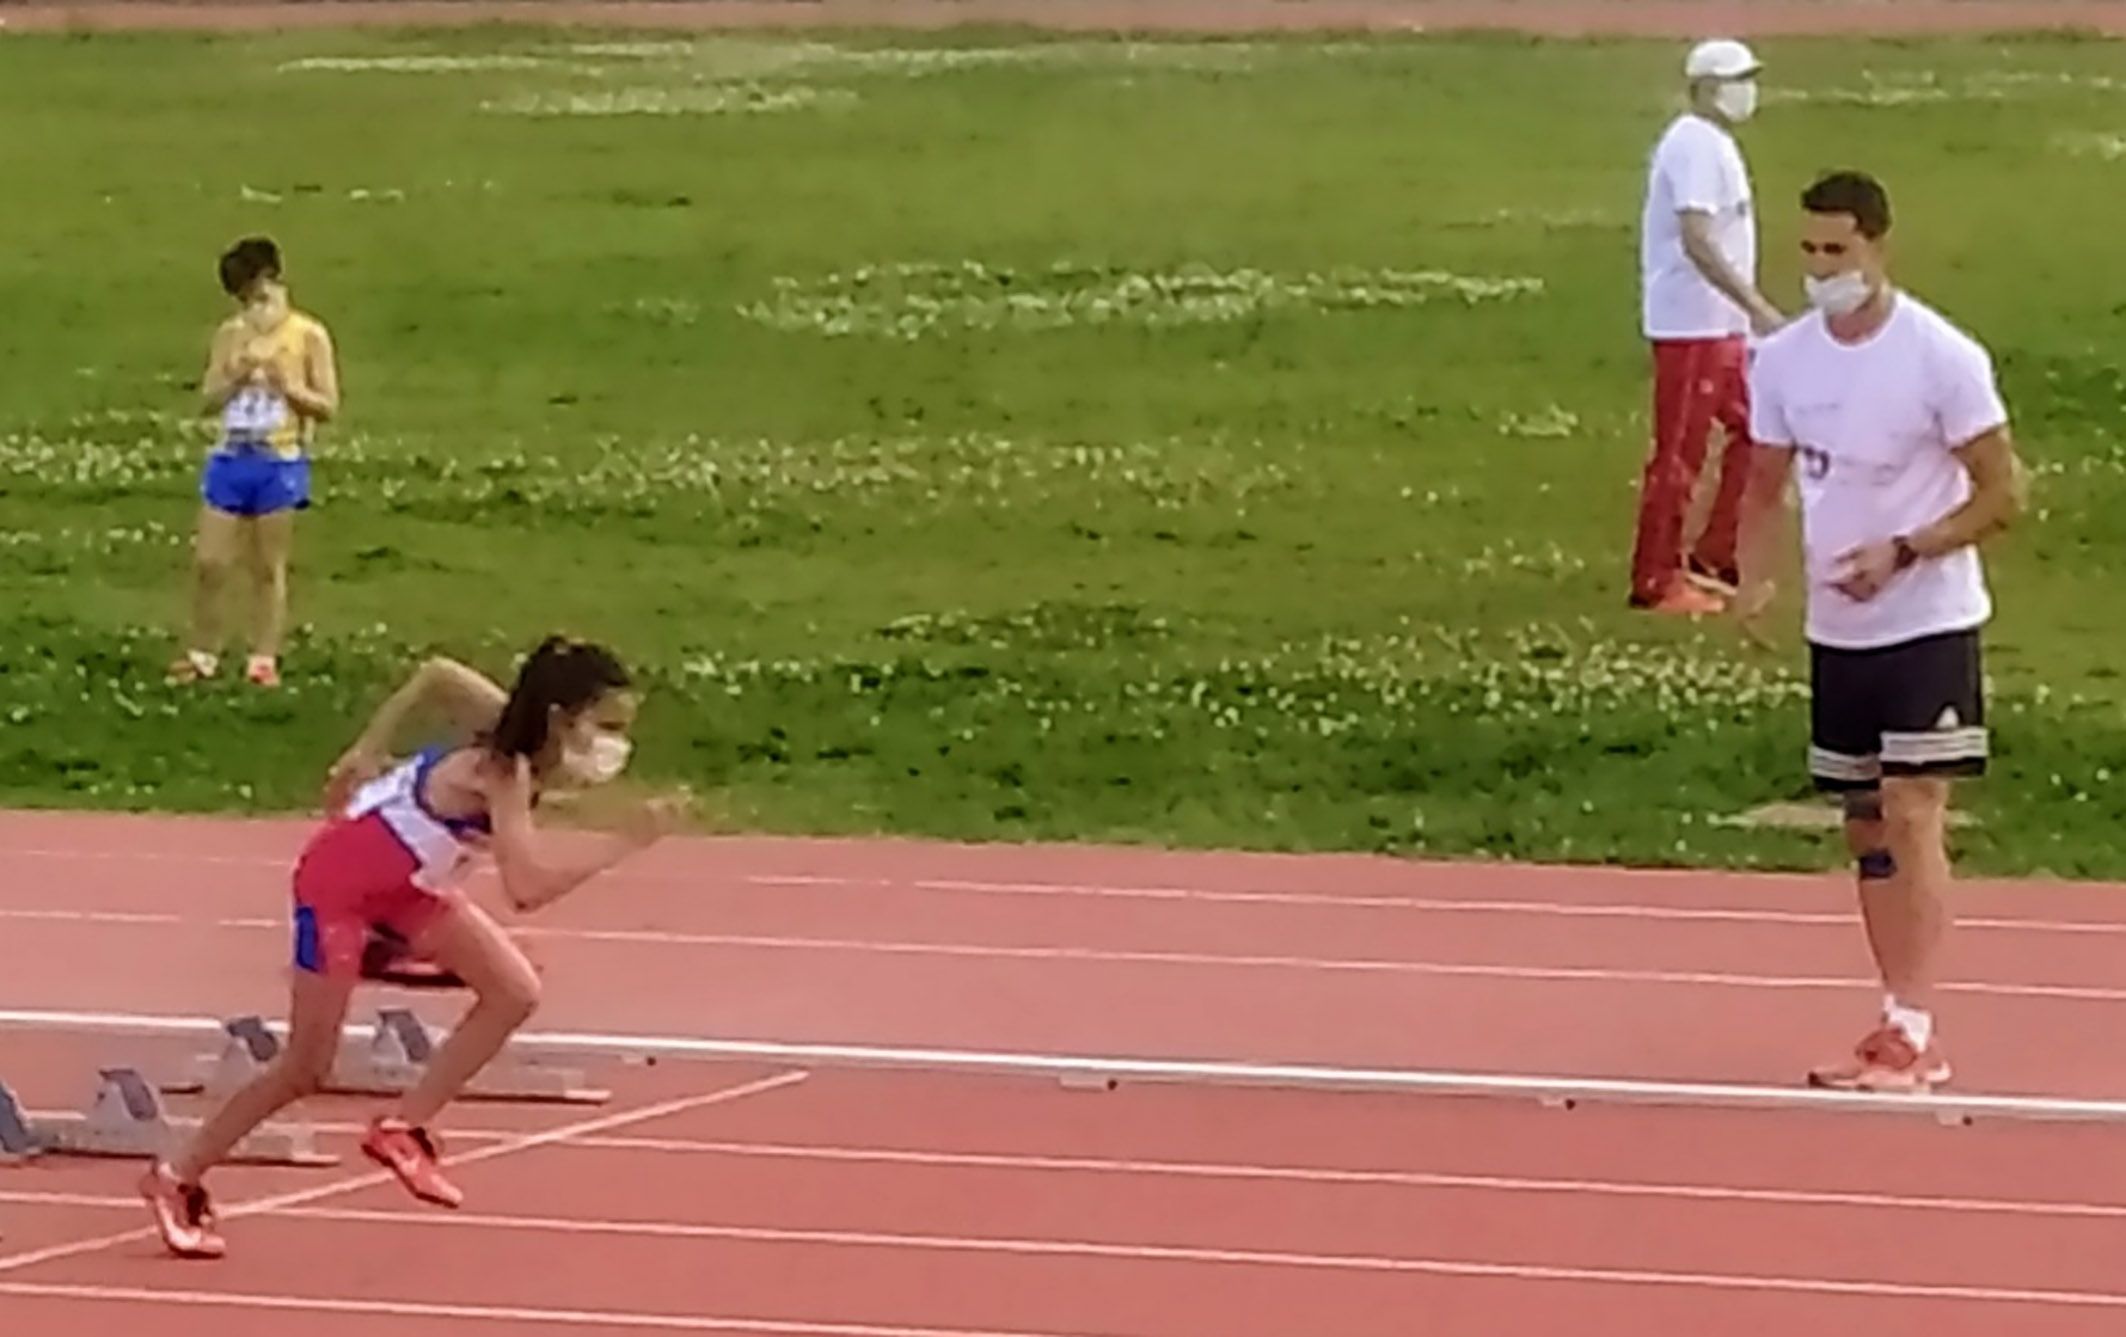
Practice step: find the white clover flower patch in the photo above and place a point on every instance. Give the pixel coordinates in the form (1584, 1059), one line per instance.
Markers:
(914, 300)
(94, 542)
(1906, 88)
(631, 50)
(672, 311)
(2048, 80)
(117, 447)
(712, 59)
(898, 474)
(2109, 148)
(1550, 421)
(707, 100)
(1550, 220)
(921, 61)
(1507, 558)
(410, 64)
(725, 57)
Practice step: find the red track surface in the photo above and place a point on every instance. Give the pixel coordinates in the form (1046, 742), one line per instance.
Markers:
(861, 1204)
(1481, 968)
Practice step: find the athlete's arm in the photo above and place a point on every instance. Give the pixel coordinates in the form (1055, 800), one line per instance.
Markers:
(318, 397)
(1763, 503)
(468, 698)
(1704, 253)
(226, 373)
(529, 878)
(1997, 496)
(2000, 493)
(1763, 514)
(471, 700)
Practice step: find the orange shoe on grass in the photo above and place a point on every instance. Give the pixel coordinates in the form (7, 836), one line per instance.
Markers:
(1681, 599)
(411, 1154)
(184, 1215)
(1885, 1061)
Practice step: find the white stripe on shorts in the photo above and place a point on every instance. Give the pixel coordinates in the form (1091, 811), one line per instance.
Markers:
(1830, 765)
(1935, 748)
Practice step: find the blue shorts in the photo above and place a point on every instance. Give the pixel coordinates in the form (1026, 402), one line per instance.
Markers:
(249, 481)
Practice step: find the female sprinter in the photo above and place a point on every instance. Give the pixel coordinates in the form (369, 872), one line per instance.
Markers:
(271, 377)
(387, 859)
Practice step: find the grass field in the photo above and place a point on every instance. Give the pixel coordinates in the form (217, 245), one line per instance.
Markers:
(1215, 443)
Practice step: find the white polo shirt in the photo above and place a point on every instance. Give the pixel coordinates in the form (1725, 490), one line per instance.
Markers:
(1873, 426)
(1696, 165)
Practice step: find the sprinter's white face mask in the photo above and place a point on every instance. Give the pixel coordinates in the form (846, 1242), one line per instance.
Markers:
(598, 760)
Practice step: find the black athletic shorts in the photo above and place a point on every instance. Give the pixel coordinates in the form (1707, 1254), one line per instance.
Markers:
(1916, 708)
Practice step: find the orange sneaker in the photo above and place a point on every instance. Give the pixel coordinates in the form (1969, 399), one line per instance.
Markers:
(1687, 600)
(1885, 1061)
(411, 1154)
(184, 1215)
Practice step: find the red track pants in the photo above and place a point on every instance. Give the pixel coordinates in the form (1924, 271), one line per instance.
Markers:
(1697, 382)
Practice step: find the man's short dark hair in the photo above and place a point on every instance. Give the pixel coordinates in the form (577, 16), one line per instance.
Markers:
(1854, 193)
(248, 261)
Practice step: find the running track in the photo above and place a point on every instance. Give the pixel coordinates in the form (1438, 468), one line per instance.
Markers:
(750, 1198)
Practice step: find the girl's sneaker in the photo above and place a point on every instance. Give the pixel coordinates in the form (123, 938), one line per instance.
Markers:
(184, 1215)
(410, 1153)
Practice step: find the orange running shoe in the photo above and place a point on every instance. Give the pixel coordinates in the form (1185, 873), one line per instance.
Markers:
(1885, 1061)
(184, 1215)
(1687, 600)
(411, 1154)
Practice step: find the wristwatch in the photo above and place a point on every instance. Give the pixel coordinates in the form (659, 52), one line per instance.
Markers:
(1906, 553)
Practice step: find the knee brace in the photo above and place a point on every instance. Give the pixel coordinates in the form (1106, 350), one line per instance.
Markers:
(1876, 866)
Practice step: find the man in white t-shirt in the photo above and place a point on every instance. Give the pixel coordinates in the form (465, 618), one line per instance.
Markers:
(1699, 303)
(1887, 418)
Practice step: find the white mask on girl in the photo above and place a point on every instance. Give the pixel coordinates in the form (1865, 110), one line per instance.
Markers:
(598, 761)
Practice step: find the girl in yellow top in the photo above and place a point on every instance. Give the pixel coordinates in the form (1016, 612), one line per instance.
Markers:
(271, 379)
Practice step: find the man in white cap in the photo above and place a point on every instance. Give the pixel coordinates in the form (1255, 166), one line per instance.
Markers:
(1700, 303)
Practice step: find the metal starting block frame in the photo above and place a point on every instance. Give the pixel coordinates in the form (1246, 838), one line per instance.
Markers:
(127, 1120)
(391, 1061)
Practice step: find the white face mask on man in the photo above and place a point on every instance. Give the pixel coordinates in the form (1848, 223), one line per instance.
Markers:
(1840, 294)
(1737, 101)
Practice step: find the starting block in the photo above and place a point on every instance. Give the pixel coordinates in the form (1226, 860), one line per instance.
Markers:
(390, 1062)
(127, 1120)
